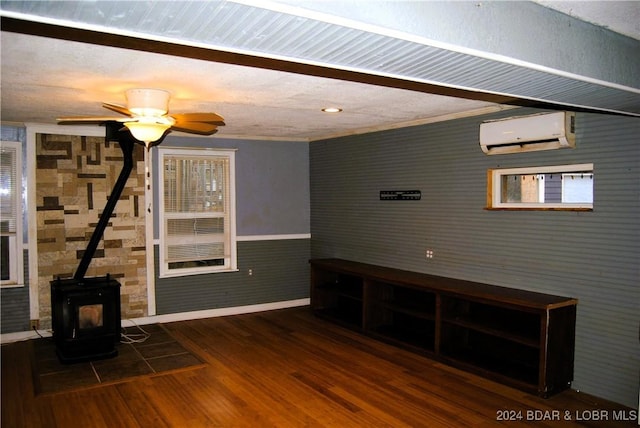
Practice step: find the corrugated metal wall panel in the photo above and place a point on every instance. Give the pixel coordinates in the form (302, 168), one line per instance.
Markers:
(280, 272)
(593, 256)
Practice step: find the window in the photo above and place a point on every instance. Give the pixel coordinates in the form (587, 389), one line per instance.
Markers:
(563, 187)
(10, 213)
(197, 200)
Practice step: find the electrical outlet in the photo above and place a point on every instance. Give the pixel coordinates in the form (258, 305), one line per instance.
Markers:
(429, 254)
(34, 324)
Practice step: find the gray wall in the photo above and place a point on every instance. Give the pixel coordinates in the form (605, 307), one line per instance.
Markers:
(272, 183)
(272, 198)
(14, 305)
(592, 256)
(280, 272)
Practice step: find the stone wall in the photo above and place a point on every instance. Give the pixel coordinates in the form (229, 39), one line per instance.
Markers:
(74, 178)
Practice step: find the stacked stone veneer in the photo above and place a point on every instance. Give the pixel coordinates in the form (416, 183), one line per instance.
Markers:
(74, 178)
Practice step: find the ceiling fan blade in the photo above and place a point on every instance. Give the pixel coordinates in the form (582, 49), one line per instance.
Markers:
(195, 128)
(93, 119)
(211, 118)
(118, 108)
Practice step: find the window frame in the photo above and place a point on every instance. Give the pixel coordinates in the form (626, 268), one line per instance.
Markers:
(494, 189)
(16, 268)
(230, 231)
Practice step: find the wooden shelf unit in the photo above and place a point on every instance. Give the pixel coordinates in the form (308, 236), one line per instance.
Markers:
(520, 338)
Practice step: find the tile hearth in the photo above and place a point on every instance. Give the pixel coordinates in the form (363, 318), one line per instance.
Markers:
(159, 353)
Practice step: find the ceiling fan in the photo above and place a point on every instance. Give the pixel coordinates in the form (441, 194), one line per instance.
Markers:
(148, 117)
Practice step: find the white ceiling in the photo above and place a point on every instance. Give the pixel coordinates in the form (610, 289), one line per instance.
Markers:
(44, 78)
(254, 102)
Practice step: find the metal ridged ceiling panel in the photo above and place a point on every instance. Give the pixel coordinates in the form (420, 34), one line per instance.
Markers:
(248, 29)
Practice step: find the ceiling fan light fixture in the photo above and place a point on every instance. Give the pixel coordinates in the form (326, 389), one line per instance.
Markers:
(147, 118)
(147, 132)
(148, 102)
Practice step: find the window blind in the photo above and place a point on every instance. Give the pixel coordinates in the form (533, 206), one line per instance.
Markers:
(9, 212)
(8, 191)
(196, 195)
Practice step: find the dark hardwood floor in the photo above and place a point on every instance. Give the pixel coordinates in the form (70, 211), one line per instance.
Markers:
(287, 368)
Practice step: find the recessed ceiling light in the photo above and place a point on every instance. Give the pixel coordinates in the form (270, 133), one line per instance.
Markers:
(332, 110)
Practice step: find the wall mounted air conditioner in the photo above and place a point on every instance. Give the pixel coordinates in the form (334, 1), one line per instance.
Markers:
(543, 131)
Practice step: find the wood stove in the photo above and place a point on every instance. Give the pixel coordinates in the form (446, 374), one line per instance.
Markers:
(85, 312)
(85, 318)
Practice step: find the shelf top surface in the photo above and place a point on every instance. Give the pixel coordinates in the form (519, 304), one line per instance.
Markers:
(449, 286)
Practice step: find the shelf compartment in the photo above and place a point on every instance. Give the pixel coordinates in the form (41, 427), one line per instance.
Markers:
(342, 309)
(511, 324)
(400, 327)
(338, 297)
(504, 357)
(346, 285)
(417, 303)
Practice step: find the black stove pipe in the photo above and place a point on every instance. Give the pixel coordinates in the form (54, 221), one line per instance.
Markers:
(114, 132)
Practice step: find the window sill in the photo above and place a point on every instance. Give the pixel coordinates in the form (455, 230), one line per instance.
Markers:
(537, 209)
(209, 272)
(10, 285)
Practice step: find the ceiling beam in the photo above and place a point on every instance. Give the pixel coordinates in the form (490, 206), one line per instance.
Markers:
(82, 35)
